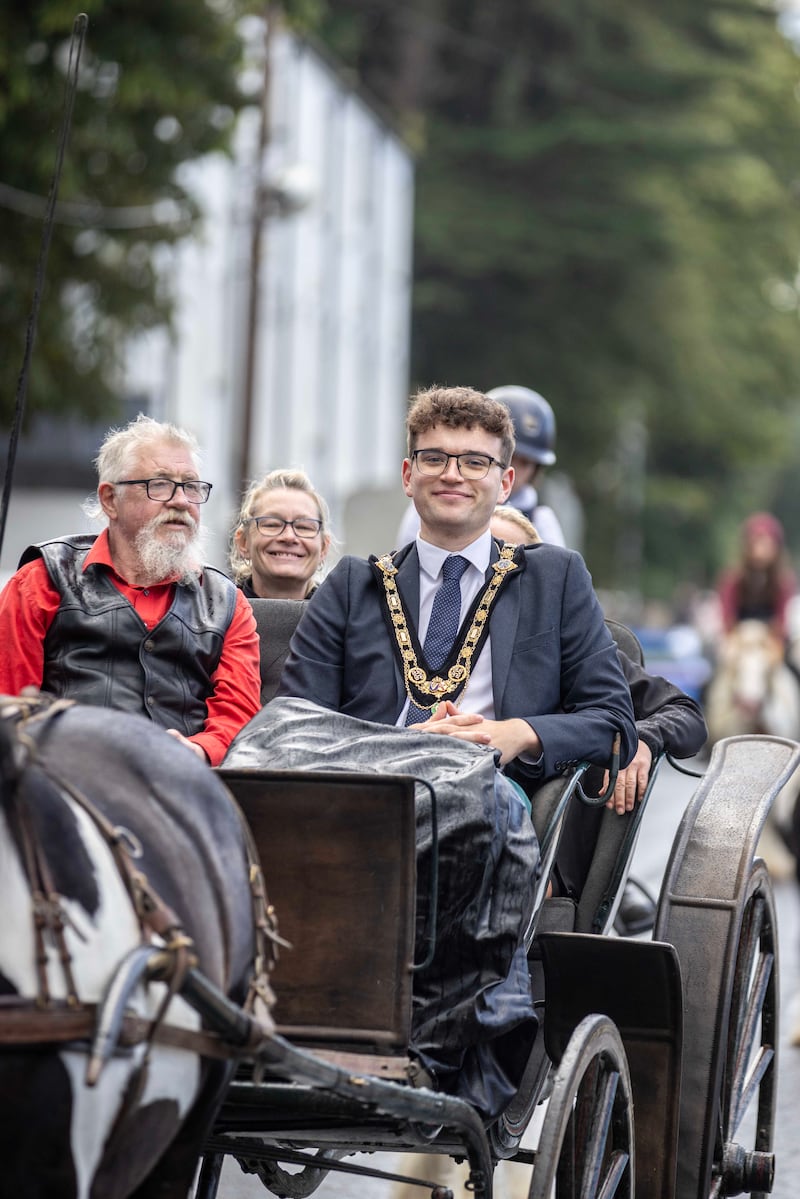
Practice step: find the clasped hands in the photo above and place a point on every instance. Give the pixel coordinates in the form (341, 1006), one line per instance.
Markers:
(514, 737)
(511, 737)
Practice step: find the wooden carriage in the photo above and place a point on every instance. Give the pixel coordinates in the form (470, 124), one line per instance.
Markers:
(657, 1058)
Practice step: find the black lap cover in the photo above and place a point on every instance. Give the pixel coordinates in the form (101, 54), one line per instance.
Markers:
(473, 1021)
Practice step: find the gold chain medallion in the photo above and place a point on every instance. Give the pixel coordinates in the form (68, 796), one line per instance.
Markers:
(425, 691)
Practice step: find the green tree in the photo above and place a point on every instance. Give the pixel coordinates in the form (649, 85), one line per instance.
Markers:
(158, 88)
(607, 211)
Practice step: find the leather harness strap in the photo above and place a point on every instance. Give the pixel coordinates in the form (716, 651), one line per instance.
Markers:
(43, 1020)
(24, 1023)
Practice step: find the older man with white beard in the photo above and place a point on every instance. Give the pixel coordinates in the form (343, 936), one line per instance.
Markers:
(130, 619)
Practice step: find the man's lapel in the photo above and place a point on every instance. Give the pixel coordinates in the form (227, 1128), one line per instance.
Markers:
(407, 563)
(503, 622)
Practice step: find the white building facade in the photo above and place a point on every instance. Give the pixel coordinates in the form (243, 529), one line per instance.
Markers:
(327, 327)
(330, 323)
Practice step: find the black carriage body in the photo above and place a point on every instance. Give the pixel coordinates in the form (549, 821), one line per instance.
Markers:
(673, 1038)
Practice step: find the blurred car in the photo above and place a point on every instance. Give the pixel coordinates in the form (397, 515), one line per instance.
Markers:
(676, 653)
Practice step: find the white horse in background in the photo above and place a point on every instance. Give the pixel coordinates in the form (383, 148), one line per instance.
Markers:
(753, 690)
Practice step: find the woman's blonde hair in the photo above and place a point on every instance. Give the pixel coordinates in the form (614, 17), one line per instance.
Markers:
(506, 512)
(276, 480)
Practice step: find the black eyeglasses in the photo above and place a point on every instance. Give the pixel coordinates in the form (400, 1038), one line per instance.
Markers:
(273, 526)
(163, 490)
(470, 466)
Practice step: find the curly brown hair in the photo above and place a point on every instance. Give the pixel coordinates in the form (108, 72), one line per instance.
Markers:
(459, 408)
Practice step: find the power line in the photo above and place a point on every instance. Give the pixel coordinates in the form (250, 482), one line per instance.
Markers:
(166, 212)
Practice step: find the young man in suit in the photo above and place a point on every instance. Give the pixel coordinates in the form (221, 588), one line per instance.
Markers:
(540, 683)
(457, 636)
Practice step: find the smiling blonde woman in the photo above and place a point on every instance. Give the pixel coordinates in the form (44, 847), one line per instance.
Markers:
(282, 537)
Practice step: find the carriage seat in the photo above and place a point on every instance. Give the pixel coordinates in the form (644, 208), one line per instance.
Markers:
(302, 849)
(616, 840)
(276, 620)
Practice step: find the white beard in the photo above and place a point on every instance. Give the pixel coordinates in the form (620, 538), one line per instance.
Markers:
(166, 557)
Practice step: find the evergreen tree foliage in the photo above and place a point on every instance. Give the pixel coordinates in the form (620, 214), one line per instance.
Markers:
(607, 211)
(157, 88)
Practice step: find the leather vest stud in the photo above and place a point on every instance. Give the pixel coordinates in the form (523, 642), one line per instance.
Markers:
(98, 651)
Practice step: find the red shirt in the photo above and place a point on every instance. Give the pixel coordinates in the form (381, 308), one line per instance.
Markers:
(28, 605)
(728, 591)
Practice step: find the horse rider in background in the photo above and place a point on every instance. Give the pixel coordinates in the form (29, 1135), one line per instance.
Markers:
(761, 583)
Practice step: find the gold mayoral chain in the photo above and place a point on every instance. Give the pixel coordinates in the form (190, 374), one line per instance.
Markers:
(427, 692)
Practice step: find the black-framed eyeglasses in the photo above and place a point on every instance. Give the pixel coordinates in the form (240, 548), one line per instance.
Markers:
(272, 526)
(470, 466)
(195, 490)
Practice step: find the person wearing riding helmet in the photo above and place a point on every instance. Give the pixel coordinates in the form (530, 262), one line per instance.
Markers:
(761, 583)
(535, 432)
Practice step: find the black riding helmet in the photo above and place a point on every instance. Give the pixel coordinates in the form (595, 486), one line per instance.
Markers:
(534, 422)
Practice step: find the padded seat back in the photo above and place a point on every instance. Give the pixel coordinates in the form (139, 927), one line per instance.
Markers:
(276, 621)
(617, 834)
(626, 640)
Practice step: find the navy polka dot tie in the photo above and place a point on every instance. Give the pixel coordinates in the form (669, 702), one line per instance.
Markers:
(443, 624)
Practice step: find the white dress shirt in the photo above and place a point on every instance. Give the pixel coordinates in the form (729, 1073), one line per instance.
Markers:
(478, 695)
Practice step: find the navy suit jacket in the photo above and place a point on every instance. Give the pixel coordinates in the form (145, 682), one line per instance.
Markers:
(554, 662)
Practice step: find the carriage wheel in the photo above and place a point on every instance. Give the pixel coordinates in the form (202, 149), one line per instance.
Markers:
(729, 957)
(749, 1074)
(586, 1146)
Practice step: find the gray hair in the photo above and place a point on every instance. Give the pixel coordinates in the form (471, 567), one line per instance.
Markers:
(276, 480)
(121, 446)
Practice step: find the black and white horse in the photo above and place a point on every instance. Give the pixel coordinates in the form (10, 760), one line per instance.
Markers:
(70, 920)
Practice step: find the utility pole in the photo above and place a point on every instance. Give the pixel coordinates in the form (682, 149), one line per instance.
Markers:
(257, 243)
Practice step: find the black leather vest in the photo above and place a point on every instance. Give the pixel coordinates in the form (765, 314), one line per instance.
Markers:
(98, 651)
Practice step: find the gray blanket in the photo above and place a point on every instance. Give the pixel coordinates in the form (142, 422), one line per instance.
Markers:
(472, 1020)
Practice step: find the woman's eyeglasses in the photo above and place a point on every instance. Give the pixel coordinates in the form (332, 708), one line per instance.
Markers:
(272, 526)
